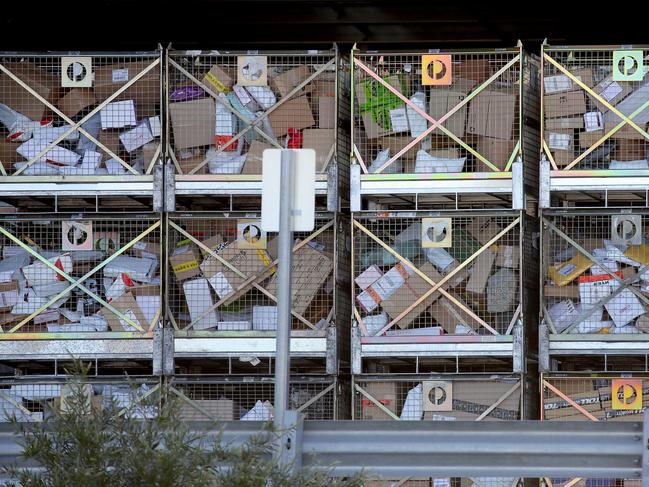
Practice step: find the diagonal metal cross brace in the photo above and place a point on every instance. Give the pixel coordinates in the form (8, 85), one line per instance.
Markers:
(376, 402)
(507, 393)
(569, 400)
(139, 399)
(77, 126)
(77, 283)
(250, 280)
(438, 123)
(319, 395)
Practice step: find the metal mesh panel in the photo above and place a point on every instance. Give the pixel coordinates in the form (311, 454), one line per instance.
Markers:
(31, 400)
(531, 116)
(604, 398)
(602, 294)
(584, 126)
(466, 279)
(233, 286)
(446, 482)
(81, 115)
(226, 108)
(484, 399)
(343, 148)
(91, 274)
(252, 400)
(480, 124)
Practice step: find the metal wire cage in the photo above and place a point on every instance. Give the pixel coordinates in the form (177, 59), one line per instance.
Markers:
(80, 114)
(456, 114)
(31, 399)
(441, 273)
(223, 274)
(80, 275)
(208, 398)
(225, 108)
(439, 398)
(593, 266)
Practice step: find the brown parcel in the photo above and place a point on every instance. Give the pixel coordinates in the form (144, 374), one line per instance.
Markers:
(397, 142)
(563, 157)
(295, 113)
(184, 262)
(448, 315)
(16, 97)
(629, 150)
(566, 104)
(322, 141)
(383, 392)
(443, 100)
(326, 113)
(189, 163)
(285, 82)
(477, 70)
(8, 153)
(145, 92)
(496, 151)
(254, 157)
(492, 114)
(218, 79)
(249, 262)
(193, 123)
(110, 139)
(219, 409)
(373, 129)
(480, 272)
(310, 270)
(76, 100)
(126, 305)
(148, 151)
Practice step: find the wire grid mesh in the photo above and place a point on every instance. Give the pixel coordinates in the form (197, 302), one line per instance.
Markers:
(225, 109)
(252, 400)
(480, 135)
(112, 262)
(234, 287)
(392, 298)
(580, 482)
(600, 295)
(343, 142)
(483, 399)
(33, 399)
(81, 115)
(621, 398)
(578, 124)
(531, 117)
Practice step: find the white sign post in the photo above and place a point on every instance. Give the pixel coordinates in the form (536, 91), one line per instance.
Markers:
(287, 205)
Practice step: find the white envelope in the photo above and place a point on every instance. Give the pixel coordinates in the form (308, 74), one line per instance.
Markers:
(57, 154)
(38, 273)
(137, 268)
(118, 114)
(199, 300)
(135, 138)
(50, 134)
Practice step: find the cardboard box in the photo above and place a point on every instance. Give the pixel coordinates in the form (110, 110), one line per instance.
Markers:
(110, 140)
(310, 270)
(559, 124)
(215, 409)
(19, 99)
(443, 100)
(193, 123)
(322, 141)
(563, 157)
(508, 256)
(568, 271)
(629, 150)
(413, 288)
(284, 83)
(75, 100)
(187, 164)
(496, 151)
(127, 305)
(477, 70)
(385, 393)
(375, 102)
(566, 104)
(397, 142)
(295, 113)
(480, 272)
(492, 114)
(145, 92)
(8, 294)
(565, 292)
(200, 303)
(219, 79)
(185, 262)
(254, 157)
(326, 113)
(448, 316)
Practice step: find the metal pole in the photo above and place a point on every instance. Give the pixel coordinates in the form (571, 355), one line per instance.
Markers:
(285, 254)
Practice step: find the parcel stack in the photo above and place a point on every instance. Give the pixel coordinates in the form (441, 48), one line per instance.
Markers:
(445, 158)
(80, 255)
(594, 251)
(224, 110)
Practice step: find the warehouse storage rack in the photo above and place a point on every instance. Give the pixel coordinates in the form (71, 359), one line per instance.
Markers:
(84, 285)
(438, 124)
(80, 123)
(443, 287)
(594, 115)
(224, 108)
(592, 288)
(221, 291)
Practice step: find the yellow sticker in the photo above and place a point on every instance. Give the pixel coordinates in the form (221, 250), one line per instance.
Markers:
(626, 394)
(186, 266)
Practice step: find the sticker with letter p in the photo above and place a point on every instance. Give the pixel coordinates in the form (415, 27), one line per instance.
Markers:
(436, 70)
(628, 65)
(626, 394)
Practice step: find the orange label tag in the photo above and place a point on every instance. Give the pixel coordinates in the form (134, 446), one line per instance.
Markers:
(436, 70)
(626, 394)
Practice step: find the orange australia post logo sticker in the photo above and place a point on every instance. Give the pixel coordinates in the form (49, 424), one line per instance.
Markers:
(436, 70)
(627, 394)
